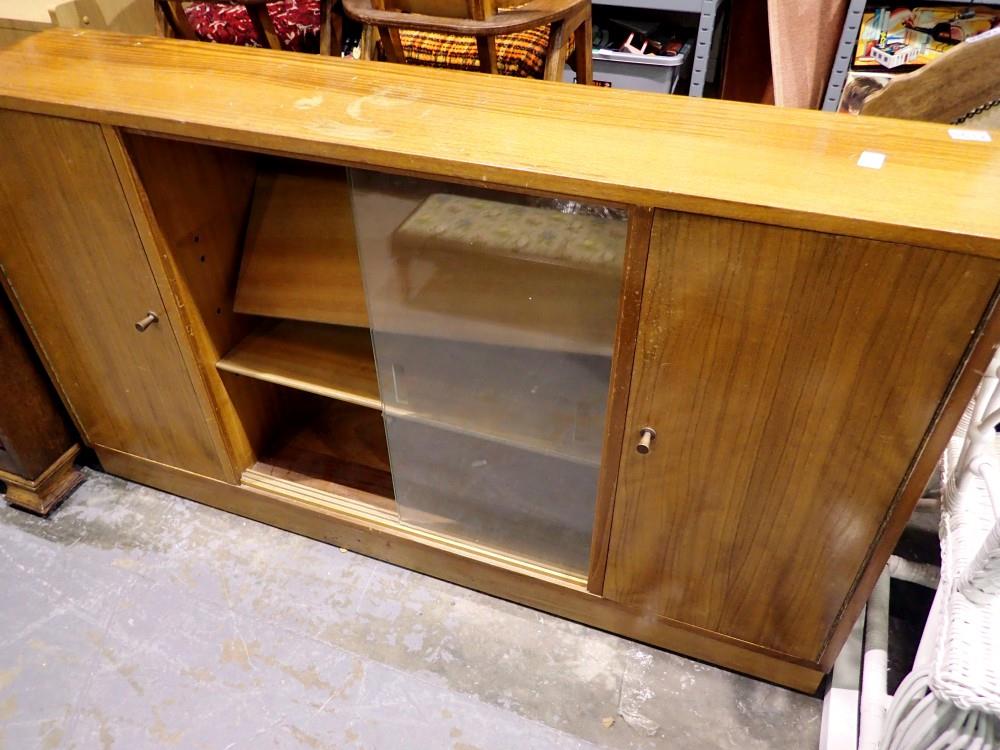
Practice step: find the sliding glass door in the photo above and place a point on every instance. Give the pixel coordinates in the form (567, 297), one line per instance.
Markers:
(493, 319)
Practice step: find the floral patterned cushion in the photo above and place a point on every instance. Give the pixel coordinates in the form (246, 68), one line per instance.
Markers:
(463, 225)
(295, 21)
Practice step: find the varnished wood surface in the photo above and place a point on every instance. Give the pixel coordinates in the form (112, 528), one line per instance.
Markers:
(300, 259)
(375, 535)
(982, 348)
(332, 361)
(737, 160)
(76, 268)
(790, 377)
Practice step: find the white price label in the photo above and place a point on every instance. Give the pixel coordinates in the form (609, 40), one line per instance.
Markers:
(871, 159)
(964, 134)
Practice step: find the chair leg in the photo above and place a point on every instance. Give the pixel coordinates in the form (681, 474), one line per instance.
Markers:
(487, 54)
(263, 25)
(555, 57)
(177, 20)
(331, 28)
(367, 44)
(392, 47)
(583, 59)
(163, 27)
(337, 31)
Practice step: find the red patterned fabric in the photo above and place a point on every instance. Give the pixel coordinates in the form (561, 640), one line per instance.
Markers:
(295, 21)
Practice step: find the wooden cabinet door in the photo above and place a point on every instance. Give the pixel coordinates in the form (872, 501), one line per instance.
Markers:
(790, 377)
(73, 261)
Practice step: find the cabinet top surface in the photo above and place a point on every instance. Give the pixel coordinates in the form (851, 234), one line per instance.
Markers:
(753, 162)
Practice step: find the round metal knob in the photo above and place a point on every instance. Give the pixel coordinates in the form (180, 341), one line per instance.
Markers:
(646, 437)
(146, 322)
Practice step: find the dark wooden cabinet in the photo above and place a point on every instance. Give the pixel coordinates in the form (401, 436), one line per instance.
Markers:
(37, 441)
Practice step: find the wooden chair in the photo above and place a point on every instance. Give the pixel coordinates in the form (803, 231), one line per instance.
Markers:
(962, 86)
(493, 36)
(175, 22)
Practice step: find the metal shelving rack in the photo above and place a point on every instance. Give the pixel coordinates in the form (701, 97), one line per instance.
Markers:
(849, 37)
(707, 11)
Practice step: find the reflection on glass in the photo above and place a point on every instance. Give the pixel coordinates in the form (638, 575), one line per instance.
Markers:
(493, 318)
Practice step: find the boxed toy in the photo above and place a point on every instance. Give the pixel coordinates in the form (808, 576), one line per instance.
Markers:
(904, 37)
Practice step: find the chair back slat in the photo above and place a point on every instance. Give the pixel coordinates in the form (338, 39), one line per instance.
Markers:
(480, 10)
(440, 8)
(432, 26)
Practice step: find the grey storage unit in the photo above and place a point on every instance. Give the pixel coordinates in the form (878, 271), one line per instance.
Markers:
(707, 11)
(849, 37)
(623, 70)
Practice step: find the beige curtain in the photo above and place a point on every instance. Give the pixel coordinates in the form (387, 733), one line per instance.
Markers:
(804, 36)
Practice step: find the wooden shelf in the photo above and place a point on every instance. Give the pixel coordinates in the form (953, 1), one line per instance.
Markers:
(508, 438)
(332, 361)
(544, 402)
(339, 452)
(300, 258)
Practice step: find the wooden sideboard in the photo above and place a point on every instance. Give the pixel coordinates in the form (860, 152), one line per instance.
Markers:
(675, 368)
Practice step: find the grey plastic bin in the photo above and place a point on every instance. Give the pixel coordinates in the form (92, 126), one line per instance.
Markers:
(625, 70)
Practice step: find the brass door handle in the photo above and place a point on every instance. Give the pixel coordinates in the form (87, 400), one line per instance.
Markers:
(146, 322)
(646, 437)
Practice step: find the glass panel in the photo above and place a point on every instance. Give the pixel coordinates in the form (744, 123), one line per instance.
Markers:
(493, 319)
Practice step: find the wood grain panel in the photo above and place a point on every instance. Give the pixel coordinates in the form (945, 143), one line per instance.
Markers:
(74, 263)
(790, 377)
(191, 204)
(982, 347)
(301, 259)
(788, 167)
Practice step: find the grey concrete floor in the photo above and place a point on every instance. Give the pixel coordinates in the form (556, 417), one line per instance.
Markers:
(134, 619)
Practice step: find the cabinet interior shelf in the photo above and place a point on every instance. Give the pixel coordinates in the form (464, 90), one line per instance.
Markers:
(339, 451)
(332, 361)
(495, 433)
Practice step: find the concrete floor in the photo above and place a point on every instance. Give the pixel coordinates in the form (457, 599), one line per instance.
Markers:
(133, 619)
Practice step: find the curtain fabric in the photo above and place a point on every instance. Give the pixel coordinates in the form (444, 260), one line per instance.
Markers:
(804, 36)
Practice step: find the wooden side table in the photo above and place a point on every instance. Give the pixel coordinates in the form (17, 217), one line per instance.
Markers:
(37, 442)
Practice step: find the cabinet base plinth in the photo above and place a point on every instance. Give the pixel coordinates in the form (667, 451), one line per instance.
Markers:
(43, 494)
(387, 540)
